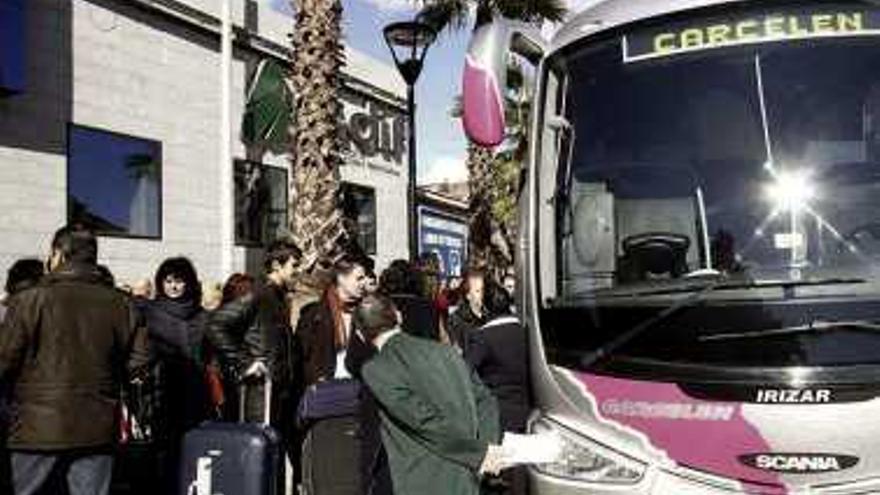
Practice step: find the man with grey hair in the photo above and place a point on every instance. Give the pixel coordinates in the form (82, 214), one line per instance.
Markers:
(440, 425)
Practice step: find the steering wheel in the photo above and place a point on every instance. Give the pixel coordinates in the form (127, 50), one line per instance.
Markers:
(870, 228)
(656, 253)
(857, 236)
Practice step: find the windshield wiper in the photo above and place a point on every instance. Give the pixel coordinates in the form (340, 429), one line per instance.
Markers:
(813, 326)
(721, 283)
(688, 286)
(627, 336)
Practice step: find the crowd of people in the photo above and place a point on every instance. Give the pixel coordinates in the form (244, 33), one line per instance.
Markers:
(88, 365)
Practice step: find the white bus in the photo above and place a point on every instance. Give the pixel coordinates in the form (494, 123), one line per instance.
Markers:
(699, 257)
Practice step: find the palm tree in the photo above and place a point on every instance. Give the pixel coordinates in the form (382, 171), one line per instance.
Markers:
(317, 222)
(493, 182)
(505, 171)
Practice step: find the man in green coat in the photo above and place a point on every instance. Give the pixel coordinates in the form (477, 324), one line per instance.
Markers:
(440, 425)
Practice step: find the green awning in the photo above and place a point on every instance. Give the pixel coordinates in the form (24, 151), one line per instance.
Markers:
(269, 108)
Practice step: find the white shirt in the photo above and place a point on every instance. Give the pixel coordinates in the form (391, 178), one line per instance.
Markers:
(341, 370)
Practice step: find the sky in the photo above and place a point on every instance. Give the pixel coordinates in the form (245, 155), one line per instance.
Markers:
(441, 144)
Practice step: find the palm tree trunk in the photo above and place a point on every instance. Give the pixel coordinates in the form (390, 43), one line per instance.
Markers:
(479, 165)
(318, 226)
(492, 180)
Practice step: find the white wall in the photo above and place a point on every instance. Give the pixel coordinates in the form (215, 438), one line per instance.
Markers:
(120, 69)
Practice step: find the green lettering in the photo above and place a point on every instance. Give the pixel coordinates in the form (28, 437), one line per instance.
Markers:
(775, 27)
(664, 43)
(747, 30)
(795, 29)
(823, 23)
(851, 22)
(692, 38)
(718, 34)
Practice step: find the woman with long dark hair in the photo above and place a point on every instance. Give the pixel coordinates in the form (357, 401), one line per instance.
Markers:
(324, 328)
(175, 324)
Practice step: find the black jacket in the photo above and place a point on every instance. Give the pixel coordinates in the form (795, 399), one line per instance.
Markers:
(315, 333)
(498, 352)
(68, 345)
(179, 396)
(462, 323)
(254, 327)
(419, 316)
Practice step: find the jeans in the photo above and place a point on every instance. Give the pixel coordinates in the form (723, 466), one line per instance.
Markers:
(84, 474)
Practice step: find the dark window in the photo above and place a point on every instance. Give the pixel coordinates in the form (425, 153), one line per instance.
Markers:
(359, 206)
(114, 183)
(12, 73)
(260, 203)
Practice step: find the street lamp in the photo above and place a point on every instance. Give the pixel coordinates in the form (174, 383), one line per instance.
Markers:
(409, 42)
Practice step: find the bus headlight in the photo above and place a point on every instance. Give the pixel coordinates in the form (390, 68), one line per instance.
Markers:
(585, 460)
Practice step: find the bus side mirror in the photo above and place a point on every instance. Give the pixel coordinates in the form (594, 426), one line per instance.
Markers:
(485, 76)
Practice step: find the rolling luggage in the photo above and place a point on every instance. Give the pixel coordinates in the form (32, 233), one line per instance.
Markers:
(232, 458)
(136, 463)
(329, 417)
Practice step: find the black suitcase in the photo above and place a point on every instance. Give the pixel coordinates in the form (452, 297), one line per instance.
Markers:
(331, 457)
(232, 458)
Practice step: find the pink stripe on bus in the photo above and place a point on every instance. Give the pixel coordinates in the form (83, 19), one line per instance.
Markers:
(708, 436)
(482, 105)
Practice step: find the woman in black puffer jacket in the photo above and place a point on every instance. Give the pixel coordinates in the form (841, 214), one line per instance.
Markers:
(175, 323)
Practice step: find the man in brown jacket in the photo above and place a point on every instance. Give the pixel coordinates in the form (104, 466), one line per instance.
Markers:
(67, 345)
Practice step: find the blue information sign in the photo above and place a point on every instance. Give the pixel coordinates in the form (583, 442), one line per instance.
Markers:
(446, 236)
(12, 46)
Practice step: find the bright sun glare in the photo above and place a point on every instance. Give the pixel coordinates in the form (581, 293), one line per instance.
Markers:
(791, 191)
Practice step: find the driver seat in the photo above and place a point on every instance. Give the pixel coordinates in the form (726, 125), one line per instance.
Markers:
(652, 255)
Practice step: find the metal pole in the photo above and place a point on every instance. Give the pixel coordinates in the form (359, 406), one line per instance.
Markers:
(227, 211)
(411, 192)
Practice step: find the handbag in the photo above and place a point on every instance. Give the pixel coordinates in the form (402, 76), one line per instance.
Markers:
(214, 384)
(133, 415)
(329, 399)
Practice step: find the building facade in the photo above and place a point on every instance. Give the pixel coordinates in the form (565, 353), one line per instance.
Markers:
(114, 121)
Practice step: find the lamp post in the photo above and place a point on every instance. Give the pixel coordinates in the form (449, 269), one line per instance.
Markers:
(409, 42)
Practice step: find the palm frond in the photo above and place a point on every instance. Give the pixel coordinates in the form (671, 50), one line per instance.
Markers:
(531, 10)
(445, 14)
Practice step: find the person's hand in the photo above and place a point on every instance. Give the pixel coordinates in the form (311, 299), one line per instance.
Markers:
(493, 462)
(256, 369)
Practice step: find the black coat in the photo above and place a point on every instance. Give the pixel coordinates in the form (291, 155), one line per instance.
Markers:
(257, 327)
(419, 316)
(498, 352)
(68, 346)
(375, 472)
(179, 392)
(315, 332)
(462, 323)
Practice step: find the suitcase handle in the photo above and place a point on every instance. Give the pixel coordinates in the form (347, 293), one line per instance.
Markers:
(266, 380)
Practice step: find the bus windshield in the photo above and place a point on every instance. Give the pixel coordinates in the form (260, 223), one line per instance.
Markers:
(745, 146)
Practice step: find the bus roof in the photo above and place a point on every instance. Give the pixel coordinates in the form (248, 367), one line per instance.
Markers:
(608, 14)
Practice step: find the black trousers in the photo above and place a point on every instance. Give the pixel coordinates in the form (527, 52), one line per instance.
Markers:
(82, 473)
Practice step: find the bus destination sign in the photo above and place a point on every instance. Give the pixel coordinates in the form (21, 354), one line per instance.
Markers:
(687, 37)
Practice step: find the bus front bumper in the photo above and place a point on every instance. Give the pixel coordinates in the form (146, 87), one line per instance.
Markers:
(654, 482)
